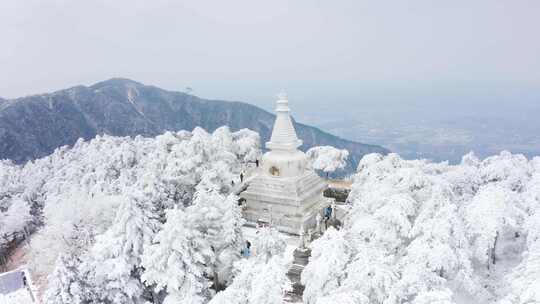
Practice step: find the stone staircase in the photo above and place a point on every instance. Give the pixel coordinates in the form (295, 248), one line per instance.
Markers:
(300, 260)
(301, 257)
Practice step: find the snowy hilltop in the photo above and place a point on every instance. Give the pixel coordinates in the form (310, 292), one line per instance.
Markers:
(155, 220)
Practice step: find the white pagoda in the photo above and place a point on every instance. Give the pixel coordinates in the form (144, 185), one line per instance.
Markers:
(285, 192)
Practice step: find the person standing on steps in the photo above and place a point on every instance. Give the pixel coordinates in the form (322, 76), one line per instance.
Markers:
(327, 215)
(241, 177)
(257, 163)
(246, 252)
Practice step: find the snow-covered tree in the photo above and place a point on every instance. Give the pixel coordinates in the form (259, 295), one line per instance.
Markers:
(371, 274)
(261, 278)
(15, 218)
(66, 285)
(326, 268)
(177, 261)
(117, 253)
(525, 278)
(327, 158)
(247, 145)
(490, 212)
(268, 242)
(219, 220)
(270, 283)
(66, 215)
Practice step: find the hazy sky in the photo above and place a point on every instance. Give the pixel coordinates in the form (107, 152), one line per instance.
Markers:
(319, 51)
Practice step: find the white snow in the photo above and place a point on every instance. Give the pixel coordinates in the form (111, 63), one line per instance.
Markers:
(327, 158)
(21, 296)
(434, 233)
(292, 241)
(126, 213)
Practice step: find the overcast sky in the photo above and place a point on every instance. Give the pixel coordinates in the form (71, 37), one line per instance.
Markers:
(320, 51)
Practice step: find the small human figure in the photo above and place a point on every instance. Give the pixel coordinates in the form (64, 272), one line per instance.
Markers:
(25, 282)
(232, 183)
(241, 177)
(246, 252)
(327, 215)
(257, 163)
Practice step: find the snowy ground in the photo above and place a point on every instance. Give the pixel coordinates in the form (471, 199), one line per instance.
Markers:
(21, 296)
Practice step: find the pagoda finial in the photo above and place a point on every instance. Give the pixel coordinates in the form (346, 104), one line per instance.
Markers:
(283, 134)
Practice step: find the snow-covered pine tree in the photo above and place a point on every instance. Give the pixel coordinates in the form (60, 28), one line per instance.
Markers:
(116, 255)
(525, 278)
(439, 249)
(246, 145)
(219, 219)
(66, 285)
(177, 261)
(238, 291)
(488, 215)
(262, 278)
(326, 268)
(371, 274)
(270, 283)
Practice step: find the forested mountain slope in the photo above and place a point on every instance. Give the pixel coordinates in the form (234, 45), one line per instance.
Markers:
(33, 126)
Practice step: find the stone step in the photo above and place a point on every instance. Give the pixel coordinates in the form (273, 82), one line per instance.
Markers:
(301, 258)
(295, 295)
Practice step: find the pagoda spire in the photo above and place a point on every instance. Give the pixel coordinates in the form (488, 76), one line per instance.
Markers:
(283, 135)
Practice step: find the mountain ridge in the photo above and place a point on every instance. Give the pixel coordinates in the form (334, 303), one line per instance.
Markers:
(33, 126)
